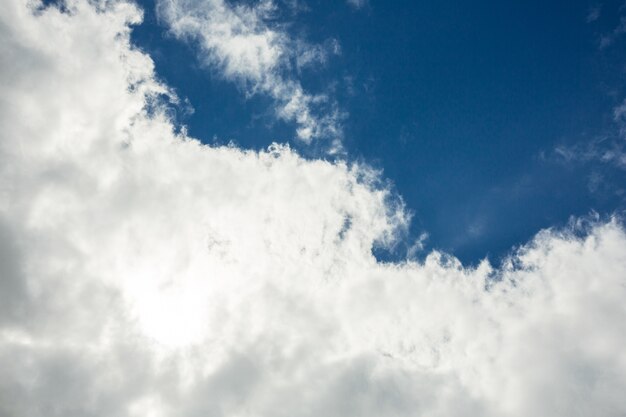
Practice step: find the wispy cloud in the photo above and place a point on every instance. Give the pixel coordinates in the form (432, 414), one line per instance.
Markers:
(594, 13)
(357, 4)
(245, 44)
(608, 39)
(604, 149)
(607, 149)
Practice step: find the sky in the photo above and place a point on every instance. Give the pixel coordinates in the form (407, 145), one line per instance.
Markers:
(463, 107)
(301, 208)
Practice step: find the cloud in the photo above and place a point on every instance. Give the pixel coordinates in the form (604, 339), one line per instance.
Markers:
(357, 4)
(594, 13)
(609, 150)
(151, 275)
(610, 38)
(604, 150)
(246, 45)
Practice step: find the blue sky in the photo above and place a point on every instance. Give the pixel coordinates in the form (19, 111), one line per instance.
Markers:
(462, 105)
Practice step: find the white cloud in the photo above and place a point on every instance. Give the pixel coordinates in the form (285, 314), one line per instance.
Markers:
(145, 274)
(244, 46)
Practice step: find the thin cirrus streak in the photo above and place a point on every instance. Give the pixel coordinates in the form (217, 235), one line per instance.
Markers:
(146, 274)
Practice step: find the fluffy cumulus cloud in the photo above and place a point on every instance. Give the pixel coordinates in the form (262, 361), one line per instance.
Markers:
(145, 274)
(243, 44)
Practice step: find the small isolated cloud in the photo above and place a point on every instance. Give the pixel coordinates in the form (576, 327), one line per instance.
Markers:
(143, 273)
(244, 46)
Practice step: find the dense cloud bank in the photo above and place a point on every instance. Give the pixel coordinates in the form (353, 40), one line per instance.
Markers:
(145, 274)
